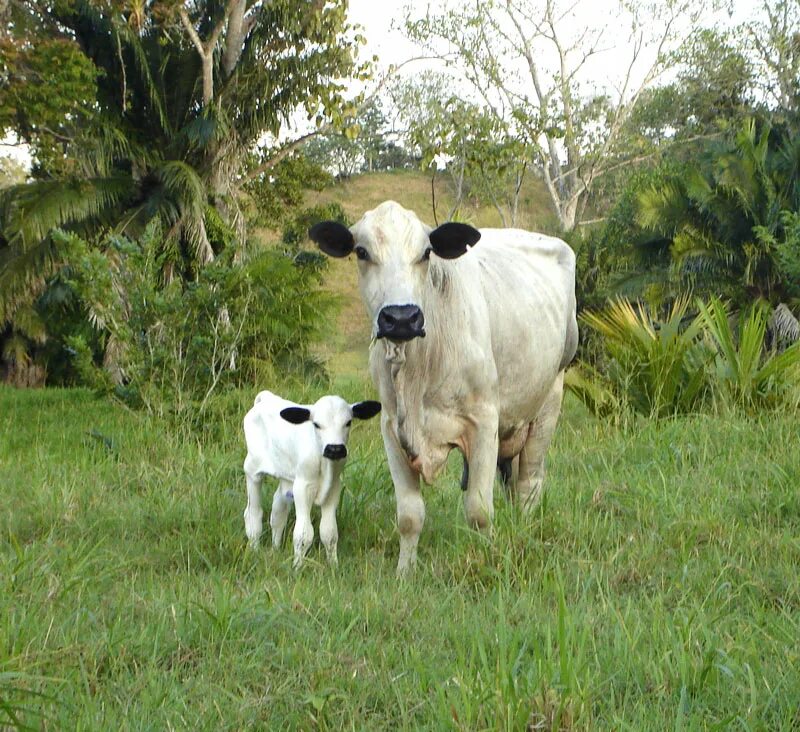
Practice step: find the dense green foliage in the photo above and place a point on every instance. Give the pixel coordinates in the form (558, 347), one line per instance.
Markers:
(171, 347)
(656, 369)
(675, 365)
(158, 110)
(723, 219)
(656, 588)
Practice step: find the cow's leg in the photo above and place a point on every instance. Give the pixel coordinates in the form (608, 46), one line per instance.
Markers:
(252, 513)
(479, 496)
(303, 528)
(280, 511)
(410, 506)
(532, 458)
(505, 466)
(328, 531)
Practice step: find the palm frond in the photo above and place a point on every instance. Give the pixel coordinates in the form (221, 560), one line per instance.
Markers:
(23, 275)
(29, 323)
(662, 209)
(183, 186)
(658, 367)
(28, 212)
(746, 374)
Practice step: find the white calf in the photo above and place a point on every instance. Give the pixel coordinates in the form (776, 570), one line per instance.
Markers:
(304, 447)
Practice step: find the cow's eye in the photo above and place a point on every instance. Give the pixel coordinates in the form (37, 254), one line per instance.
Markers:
(317, 426)
(427, 255)
(349, 423)
(362, 254)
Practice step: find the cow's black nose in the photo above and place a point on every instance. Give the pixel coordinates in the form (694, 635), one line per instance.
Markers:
(401, 322)
(335, 452)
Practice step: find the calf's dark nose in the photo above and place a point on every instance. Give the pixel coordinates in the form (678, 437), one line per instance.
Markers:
(401, 322)
(335, 452)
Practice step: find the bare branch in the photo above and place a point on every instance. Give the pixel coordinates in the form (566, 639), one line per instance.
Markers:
(189, 27)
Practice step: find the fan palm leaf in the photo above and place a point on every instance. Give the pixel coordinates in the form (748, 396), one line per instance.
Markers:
(656, 367)
(746, 374)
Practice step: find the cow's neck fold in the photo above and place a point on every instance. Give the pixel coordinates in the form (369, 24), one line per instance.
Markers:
(395, 353)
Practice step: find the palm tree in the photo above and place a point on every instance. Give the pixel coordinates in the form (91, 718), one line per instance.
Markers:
(722, 222)
(184, 91)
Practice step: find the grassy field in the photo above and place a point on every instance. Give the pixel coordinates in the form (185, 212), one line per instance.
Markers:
(655, 589)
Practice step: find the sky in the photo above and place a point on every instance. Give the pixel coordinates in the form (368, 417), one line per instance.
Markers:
(379, 16)
(382, 20)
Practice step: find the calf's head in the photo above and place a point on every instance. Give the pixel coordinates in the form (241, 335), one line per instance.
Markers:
(394, 250)
(331, 417)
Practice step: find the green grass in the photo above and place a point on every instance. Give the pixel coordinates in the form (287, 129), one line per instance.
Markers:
(655, 589)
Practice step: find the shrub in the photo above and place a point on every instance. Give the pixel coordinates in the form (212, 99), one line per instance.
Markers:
(745, 373)
(170, 348)
(656, 368)
(659, 369)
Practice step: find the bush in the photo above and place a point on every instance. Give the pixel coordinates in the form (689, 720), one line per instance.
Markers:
(656, 368)
(663, 368)
(745, 373)
(171, 348)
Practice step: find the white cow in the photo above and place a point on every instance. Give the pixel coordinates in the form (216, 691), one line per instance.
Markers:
(304, 447)
(475, 343)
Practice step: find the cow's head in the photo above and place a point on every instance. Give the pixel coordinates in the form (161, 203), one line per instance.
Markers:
(394, 250)
(331, 417)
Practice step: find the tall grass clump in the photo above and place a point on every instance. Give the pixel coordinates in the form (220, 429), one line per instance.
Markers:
(173, 346)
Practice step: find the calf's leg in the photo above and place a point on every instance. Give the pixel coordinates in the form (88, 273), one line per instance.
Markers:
(280, 511)
(532, 458)
(303, 528)
(252, 513)
(328, 531)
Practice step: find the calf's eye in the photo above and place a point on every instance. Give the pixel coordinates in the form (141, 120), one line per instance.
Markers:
(317, 426)
(349, 423)
(362, 254)
(427, 255)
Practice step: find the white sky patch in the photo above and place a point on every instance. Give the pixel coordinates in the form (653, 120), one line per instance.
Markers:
(383, 20)
(9, 148)
(382, 23)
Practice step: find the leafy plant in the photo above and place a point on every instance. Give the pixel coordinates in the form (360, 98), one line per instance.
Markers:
(171, 348)
(745, 373)
(151, 113)
(723, 222)
(655, 367)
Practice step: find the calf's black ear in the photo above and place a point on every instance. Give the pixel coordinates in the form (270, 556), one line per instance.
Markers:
(366, 410)
(332, 238)
(451, 240)
(296, 415)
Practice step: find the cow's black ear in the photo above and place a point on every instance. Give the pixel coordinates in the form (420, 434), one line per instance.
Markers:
(296, 415)
(451, 240)
(332, 238)
(366, 410)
